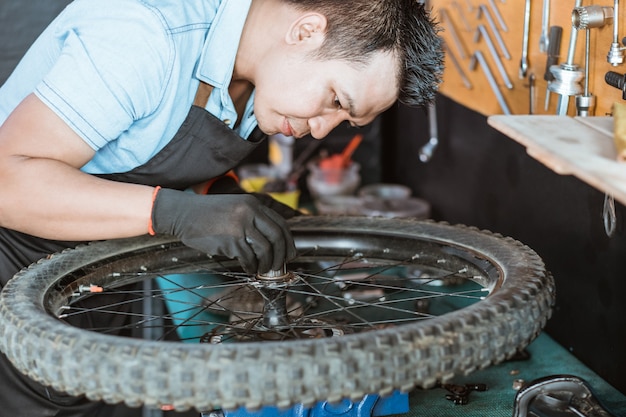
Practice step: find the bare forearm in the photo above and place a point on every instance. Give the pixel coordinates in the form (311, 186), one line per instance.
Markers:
(50, 199)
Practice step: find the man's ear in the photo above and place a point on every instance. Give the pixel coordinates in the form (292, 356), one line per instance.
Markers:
(309, 28)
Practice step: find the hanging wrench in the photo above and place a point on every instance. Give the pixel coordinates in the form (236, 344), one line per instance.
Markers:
(523, 69)
(426, 152)
(478, 58)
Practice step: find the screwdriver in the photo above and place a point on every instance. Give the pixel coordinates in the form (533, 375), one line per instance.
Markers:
(554, 51)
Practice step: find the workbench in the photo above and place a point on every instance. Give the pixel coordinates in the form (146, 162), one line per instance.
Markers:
(546, 358)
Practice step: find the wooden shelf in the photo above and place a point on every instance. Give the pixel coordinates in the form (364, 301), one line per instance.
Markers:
(579, 146)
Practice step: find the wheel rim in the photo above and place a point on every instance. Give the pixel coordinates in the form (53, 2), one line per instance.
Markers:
(305, 364)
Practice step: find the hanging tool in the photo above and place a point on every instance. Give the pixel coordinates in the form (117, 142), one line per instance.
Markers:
(586, 103)
(544, 39)
(455, 36)
(615, 56)
(457, 65)
(482, 31)
(483, 10)
(461, 13)
(554, 51)
(568, 75)
(586, 18)
(523, 69)
(531, 92)
(426, 152)
(498, 16)
(478, 57)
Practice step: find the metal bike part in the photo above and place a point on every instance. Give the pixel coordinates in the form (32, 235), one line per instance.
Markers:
(615, 56)
(280, 275)
(588, 17)
(449, 54)
(426, 152)
(483, 10)
(558, 396)
(544, 39)
(616, 80)
(568, 75)
(455, 36)
(478, 57)
(481, 31)
(554, 51)
(523, 69)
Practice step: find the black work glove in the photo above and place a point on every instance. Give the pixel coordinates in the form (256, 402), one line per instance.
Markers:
(228, 185)
(233, 225)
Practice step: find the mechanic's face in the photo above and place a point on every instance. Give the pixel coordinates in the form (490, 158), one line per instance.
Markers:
(297, 95)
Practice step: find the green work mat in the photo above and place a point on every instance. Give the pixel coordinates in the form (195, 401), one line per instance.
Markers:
(546, 358)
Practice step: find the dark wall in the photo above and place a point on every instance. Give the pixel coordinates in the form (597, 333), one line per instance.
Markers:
(20, 24)
(480, 177)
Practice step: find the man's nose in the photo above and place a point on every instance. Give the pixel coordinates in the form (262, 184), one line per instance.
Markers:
(321, 126)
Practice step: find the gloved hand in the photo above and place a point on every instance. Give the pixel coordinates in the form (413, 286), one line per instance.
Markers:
(228, 185)
(234, 225)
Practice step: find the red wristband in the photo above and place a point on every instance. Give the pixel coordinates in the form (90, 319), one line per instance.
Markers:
(154, 195)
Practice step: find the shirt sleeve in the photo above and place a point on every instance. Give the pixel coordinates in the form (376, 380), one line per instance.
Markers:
(109, 73)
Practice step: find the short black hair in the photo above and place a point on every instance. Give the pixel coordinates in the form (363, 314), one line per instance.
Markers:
(358, 28)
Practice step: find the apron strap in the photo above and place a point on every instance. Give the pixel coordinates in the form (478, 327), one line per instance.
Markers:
(202, 95)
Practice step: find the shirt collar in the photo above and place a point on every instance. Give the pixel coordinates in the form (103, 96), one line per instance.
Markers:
(220, 47)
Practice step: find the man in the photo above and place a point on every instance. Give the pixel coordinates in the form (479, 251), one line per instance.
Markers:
(121, 105)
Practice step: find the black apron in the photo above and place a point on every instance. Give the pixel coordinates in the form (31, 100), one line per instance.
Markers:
(202, 149)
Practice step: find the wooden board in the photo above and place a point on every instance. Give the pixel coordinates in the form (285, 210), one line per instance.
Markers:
(461, 18)
(577, 146)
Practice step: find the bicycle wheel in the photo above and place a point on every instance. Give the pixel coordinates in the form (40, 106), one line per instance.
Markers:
(370, 305)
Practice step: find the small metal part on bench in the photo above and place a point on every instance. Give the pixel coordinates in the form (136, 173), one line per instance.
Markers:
(558, 396)
(459, 394)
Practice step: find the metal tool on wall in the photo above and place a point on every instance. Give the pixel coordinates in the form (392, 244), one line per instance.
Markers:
(568, 75)
(484, 11)
(457, 65)
(544, 39)
(523, 69)
(615, 56)
(453, 32)
(554, 52)
(478, 58)
(586, 18)
(481, 31)
(426, 152)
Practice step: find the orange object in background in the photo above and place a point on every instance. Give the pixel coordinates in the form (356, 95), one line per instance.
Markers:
(343, 159)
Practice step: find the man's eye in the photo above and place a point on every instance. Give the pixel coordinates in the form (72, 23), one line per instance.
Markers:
(337, 103)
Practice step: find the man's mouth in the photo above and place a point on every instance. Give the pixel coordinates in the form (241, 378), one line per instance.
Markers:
(287, 130)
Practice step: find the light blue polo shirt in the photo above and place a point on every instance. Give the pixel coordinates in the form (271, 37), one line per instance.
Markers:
(123, 73)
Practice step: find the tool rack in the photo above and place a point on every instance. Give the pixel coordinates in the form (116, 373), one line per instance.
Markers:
(467, 83)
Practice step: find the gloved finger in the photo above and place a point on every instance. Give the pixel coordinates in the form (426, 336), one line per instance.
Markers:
(247, 257)
(263, 250)
(273, 226)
